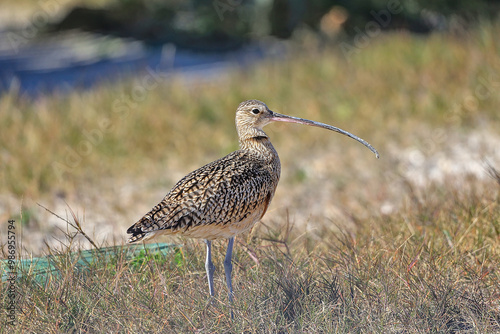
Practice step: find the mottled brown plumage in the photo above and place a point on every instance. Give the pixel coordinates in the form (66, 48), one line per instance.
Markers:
(219, 200)
(228, 196)
(223, 198)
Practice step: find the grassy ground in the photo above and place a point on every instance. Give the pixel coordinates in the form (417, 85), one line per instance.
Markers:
(404, 244)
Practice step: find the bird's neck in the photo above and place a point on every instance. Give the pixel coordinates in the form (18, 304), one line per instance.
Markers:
(251, 143)
(250, 136)
(259, 146)
(258, 142)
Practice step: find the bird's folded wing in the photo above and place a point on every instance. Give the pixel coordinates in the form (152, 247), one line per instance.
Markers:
(222, 192)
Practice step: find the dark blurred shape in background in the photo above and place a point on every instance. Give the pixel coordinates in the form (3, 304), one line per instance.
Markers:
(226, 24)
(46, 55)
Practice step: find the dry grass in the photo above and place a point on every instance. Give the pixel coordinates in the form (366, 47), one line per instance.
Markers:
(407, 244)
(429, 268)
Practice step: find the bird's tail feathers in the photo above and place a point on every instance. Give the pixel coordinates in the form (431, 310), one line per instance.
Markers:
(137, 233)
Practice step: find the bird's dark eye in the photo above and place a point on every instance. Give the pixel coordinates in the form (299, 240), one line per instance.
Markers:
(255, 111)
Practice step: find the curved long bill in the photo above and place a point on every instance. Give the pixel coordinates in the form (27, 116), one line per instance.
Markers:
(290, 119)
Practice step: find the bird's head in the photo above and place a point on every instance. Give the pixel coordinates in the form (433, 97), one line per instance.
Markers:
(253, 115)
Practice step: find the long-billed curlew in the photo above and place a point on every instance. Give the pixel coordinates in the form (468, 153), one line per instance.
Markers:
(227, 196)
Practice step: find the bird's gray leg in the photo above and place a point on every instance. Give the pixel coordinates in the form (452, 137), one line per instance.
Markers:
(228, 267)
(209, 266)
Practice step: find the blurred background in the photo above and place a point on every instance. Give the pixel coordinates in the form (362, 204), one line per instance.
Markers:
(105, 104)
(58, 45)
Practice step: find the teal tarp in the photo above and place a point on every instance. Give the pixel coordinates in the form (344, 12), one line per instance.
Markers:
(48, 266)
